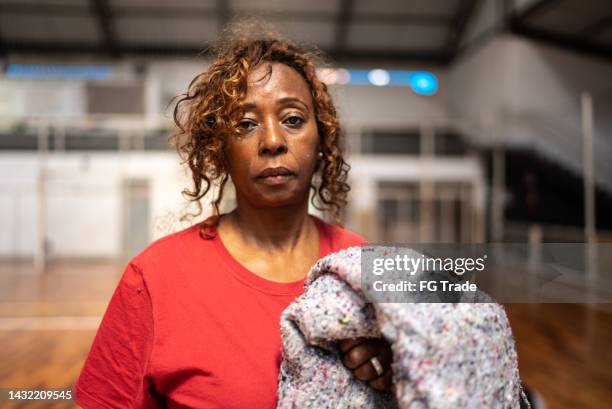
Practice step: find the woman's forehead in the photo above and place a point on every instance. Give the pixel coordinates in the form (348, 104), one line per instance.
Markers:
(275, 79)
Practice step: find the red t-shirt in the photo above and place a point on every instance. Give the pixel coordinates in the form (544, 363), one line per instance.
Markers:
(190, 325)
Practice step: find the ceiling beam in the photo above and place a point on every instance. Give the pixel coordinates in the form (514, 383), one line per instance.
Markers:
(343, 22)
(573, 43)
(536, 8)
(579, 43)
(596, 28)
(2, 48)
(465, 11)
(103, 15)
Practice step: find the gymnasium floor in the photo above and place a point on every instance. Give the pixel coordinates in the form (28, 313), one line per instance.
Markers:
(47, 323)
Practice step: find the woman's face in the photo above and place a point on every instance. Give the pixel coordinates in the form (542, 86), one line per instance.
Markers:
(273, 153)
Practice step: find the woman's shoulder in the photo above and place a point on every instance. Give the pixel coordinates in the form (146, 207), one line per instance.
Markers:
(172, 247)
(339, 237)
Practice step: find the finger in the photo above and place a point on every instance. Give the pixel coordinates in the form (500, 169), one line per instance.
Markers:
(384, 353)
(385, 357)
(359, 355)
(347, 344)
(365, 372)
(382, 383)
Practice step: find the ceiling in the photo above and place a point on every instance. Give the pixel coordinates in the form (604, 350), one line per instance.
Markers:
(582, 25)
(427, 31)
(397, 30)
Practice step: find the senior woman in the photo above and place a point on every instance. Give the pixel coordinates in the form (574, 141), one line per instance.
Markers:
(194, 320)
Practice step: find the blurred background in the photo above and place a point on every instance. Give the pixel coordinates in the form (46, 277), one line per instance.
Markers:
(465, 120)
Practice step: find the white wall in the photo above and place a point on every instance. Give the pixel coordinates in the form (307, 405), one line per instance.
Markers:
(371, 106)
(53, 98)
(368, 170)
(82, 200)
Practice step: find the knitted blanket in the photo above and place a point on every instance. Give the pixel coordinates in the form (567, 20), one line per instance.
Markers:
(459, 355)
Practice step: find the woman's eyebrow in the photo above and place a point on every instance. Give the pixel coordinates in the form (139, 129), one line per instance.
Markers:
(248, 106)
(291, 100)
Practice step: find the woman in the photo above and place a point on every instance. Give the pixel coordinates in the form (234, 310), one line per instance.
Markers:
(194, 321)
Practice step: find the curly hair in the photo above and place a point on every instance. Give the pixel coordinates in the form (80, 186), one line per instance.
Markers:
(207, 114)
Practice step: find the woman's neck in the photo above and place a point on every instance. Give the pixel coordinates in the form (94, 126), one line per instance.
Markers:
(278, 228)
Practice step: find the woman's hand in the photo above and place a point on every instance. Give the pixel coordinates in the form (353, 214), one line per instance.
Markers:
(360, 355)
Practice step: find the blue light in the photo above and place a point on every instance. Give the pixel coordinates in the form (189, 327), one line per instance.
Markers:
(59, 71)
(423, 82)
(400, 78)
(359, 77)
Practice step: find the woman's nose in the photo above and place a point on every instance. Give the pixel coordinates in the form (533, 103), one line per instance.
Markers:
(273, 141)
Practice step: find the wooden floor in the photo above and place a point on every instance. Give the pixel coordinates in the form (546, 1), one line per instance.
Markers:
(565, 353)
(47, 323)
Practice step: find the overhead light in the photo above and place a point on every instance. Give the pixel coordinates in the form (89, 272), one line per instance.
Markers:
(423, 82)
(343, 76)
(420, 82)
(327, 75)
(333, 76)
(379, 77)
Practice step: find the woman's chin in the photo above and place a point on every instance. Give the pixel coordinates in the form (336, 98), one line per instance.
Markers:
(281, 198)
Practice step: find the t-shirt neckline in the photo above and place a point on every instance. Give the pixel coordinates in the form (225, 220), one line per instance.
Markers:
(262, 284)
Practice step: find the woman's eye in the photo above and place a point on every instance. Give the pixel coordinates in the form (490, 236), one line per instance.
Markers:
(294, 120)
(245, 125)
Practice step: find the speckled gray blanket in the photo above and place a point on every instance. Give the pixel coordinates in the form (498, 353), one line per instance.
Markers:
(445, 355)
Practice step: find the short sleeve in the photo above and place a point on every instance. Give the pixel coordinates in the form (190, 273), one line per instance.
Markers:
(115, 371)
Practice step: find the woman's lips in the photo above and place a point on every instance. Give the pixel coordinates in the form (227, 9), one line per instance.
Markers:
(275, 176)
(276, 180)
